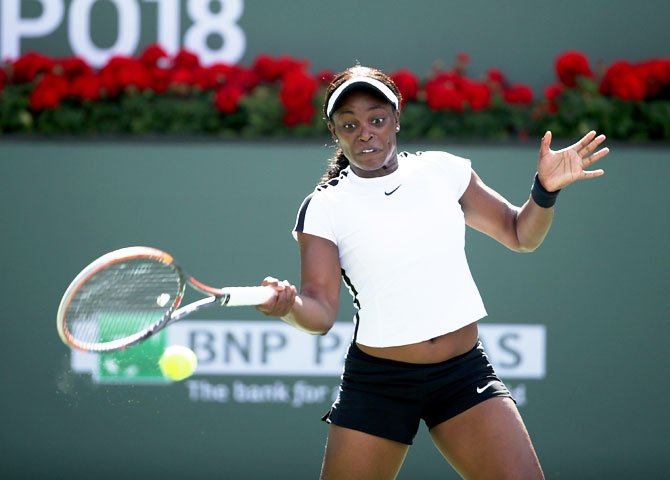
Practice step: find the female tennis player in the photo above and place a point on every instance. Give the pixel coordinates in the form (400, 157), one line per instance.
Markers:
(392, 226)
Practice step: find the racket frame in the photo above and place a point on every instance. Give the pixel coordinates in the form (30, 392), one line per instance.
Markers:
(215, 296)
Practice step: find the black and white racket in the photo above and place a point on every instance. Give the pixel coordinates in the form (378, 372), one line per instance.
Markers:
(126, 296)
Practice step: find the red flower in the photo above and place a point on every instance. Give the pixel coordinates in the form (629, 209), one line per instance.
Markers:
(29, 66)
(463, 58)
(407, 83)
(72, 67)
(477, 94)
(570, 65)
(204, 78)
(181, 78)
(443, 97)
(109, 82)
(266, 68)
(443, 92)
(495, 76)
(3, 79)
(224, 74)
(656, 75)
(123, 72)
(49, 92)
(152, 55)
(221, 73)
(302, 115)
(551, 93)
(636, 81)
(289, 65)
(247, 79)
(186, 60)
(297, 90)
(228, 98)
(629, 86)
(160, 79)
(270, 70)
(518, 94)
(134, 75)
(624, 81)
(86, 87)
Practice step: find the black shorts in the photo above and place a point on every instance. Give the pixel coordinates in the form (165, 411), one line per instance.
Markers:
(388, 398)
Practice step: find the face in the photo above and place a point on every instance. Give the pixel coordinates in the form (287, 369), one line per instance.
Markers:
(365, 128)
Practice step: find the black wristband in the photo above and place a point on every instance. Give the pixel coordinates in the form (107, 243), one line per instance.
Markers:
(541, 196)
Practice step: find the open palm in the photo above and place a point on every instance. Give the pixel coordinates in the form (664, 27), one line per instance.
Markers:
(559, 168)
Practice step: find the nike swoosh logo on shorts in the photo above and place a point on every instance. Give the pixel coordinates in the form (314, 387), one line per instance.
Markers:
(396, 188)
(481, 390)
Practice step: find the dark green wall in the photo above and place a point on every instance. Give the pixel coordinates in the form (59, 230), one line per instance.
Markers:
(521, 37)
(599, 284)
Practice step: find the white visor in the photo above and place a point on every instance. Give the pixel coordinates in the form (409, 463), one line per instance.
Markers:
(376, 84)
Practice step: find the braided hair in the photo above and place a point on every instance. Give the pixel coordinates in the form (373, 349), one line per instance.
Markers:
(338, 161)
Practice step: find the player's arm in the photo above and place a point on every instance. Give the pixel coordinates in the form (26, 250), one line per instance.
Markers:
(519, 229)
(523, 229)
(314, 309)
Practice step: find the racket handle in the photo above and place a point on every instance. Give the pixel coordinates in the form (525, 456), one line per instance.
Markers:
(239, 296)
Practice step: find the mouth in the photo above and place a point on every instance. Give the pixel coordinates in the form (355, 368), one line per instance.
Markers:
(367, 151)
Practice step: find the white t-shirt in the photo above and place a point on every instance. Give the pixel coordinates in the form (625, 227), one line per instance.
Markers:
(401, 240)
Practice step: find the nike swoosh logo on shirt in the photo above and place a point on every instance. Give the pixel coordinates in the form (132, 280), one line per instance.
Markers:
(396, 188)
(481, 390)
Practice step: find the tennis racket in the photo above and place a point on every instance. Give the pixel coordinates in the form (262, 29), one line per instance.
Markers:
(128, 295)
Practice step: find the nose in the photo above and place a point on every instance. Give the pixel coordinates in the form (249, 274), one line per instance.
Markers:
(366, 133)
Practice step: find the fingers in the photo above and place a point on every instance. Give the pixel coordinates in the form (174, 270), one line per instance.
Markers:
(593, 173)
(545, 144)
(595, 157)
(282, 302)
(586, 149)
(585, 141)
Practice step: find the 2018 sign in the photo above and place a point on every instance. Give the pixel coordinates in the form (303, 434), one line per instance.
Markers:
(206, 22)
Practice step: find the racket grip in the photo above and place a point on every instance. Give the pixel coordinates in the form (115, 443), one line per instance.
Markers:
(239, 296)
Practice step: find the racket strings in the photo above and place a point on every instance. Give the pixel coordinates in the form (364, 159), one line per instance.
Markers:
(121, 300)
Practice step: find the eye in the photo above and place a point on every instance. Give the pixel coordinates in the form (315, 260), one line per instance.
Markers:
(378, 120)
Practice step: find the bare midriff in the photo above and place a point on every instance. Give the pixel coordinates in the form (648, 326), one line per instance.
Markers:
(435, 350)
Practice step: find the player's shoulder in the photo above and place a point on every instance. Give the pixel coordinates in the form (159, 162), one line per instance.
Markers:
(447, 168)
(435, 156)
(333, 186)
(326, 193)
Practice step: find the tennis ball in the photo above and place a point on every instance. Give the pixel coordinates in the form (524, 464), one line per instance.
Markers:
(178, 362)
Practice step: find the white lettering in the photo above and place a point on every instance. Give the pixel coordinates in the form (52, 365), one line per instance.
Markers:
(276, 392)
(203, 391)
(304, 393)
(79, 31)
(301, 393)
(261, 347)
(273, 348)
(168, 24)
(222, 23)
(14, 27)
(516, 351)
(206, 24)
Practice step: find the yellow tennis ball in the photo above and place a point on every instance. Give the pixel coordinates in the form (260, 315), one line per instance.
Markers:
(178, 362)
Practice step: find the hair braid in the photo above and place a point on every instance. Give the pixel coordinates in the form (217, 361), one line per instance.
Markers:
(336, 164)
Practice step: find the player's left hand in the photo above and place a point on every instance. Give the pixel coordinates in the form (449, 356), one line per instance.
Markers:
(560, 168)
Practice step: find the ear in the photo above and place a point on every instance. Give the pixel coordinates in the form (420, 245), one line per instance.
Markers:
(397, 121)
(331, 127)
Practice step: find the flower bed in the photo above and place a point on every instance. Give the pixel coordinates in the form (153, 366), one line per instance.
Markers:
(279, 97)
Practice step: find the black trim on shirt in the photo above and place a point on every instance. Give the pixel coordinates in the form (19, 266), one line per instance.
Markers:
(357, 304)
(300, 223)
